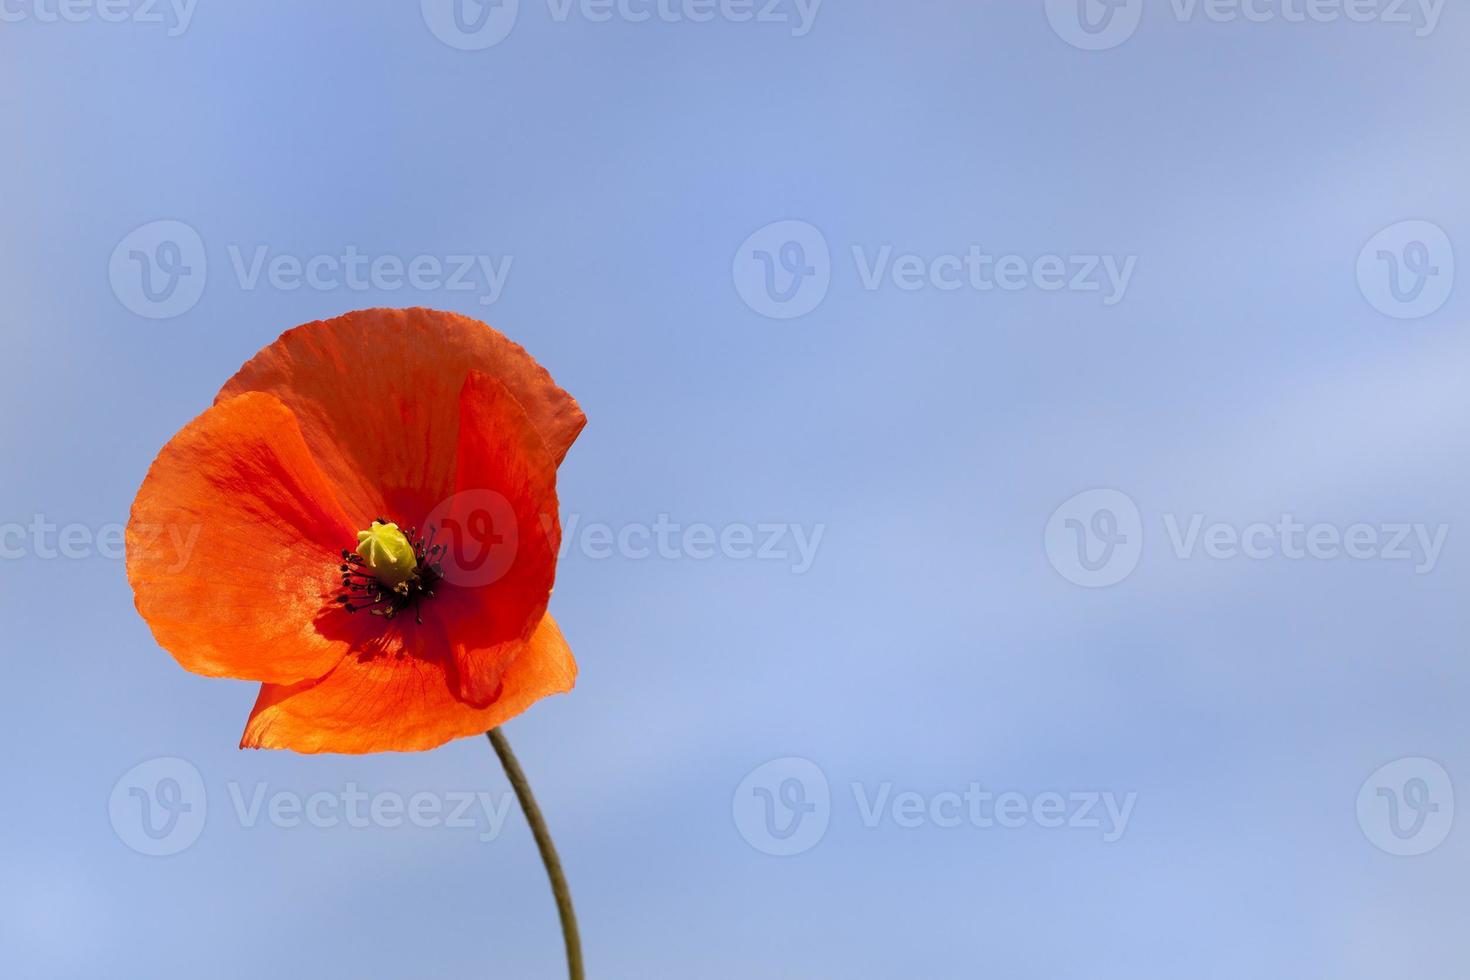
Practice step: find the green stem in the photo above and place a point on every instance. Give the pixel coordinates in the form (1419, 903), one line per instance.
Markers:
(559, 887)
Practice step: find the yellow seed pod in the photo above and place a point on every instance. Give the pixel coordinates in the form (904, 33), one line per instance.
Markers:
(388, 554)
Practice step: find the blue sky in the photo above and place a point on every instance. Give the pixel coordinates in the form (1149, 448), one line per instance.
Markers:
(1276, 698)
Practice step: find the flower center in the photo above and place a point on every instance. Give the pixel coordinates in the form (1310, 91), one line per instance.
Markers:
(388, 554)
(390, 571)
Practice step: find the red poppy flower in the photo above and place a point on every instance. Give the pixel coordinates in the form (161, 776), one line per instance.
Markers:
(327, 494)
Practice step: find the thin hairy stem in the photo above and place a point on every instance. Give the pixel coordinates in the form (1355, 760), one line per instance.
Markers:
(554, 872)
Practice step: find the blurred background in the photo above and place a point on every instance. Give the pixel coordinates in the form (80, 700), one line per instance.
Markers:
(1021, 529)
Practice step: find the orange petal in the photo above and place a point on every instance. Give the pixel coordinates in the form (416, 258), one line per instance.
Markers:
(399, 698)
(233, 546)
(377, 394)
(501, 531)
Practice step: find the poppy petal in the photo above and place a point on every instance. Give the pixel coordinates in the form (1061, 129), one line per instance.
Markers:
(400, 699)
(501, 533)
(377, 395)
(232, 544)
